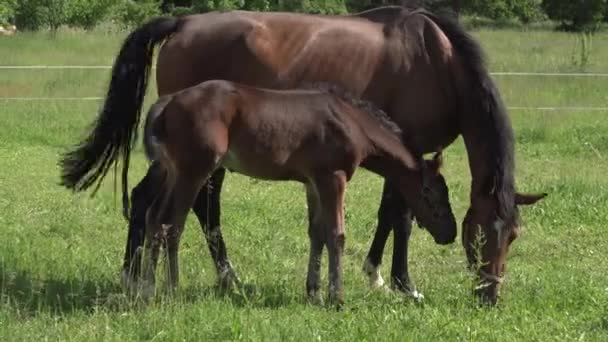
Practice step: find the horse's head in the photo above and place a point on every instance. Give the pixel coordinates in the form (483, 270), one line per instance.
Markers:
(430, 202)
(486, 239)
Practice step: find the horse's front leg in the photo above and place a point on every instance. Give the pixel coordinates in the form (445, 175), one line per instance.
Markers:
(208, 211)
(402, 228)
(372, 263)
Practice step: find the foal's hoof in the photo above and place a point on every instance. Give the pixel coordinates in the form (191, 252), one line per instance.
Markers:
(373, 274)
(315, 298)
(146, 290)
(336, 301)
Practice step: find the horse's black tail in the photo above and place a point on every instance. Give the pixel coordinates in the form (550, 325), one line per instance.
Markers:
(483, 102)
(115, 129)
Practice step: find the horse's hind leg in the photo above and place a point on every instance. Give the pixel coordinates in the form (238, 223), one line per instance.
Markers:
(331, 193)
(315, 234)
(208, 211)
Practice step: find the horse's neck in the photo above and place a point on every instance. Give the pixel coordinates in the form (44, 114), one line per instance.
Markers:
(487, 175)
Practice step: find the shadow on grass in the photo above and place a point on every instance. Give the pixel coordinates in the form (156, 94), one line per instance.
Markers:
(29, 295)
(268, 296)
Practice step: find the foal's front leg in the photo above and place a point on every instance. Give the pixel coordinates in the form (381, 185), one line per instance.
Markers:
(331, 193)
(315, 234)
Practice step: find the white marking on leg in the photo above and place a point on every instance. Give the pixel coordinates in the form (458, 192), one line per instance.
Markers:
(227, 276)
(417, 296)
(373, 273)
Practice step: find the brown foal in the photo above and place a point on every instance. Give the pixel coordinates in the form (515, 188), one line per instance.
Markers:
(315, 136)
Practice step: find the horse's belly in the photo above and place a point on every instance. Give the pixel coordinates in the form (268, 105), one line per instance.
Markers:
(257, 166)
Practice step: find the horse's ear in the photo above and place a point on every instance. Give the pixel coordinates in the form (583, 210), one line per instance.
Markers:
(527, 199)
(435, 164)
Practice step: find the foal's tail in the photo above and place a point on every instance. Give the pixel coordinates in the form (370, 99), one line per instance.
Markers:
(115, 130)
(154, 128)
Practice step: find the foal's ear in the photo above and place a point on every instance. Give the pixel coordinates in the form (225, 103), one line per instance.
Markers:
(527, 199)
(435, 164)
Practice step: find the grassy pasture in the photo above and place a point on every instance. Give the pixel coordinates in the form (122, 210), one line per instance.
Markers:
(60, 254)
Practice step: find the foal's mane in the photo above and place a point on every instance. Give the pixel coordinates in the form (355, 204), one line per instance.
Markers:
(366, 106)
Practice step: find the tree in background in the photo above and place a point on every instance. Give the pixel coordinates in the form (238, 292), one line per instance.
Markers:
(577, 15)
(524, 10)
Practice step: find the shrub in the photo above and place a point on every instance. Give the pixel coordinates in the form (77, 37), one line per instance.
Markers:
(576, 15)
(36, 14)
(88, 13)
(7, 11)
(524, 10)
(179, 11)
(132, 13)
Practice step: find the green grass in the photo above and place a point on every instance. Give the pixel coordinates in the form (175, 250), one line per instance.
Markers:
(60, 253)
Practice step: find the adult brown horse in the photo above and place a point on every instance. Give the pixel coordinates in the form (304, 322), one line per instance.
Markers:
(425, 71)
(317, 136)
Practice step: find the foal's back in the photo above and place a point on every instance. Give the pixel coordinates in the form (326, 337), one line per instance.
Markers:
(274, 135)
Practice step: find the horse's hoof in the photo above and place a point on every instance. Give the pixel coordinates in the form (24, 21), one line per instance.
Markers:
(373, 273)
(418, 297)
(228, 280)
(129, 285)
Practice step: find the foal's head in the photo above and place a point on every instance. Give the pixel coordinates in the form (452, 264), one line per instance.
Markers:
(430, 202)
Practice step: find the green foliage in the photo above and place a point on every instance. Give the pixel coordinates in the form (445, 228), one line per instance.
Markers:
(36, 14)
(524, 10)
(180, 10)
(577, 15)
(88, 13)
(7, 11)
(131, 13)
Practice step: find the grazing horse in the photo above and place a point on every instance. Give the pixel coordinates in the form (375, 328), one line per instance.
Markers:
(316, 137)
(423, 70)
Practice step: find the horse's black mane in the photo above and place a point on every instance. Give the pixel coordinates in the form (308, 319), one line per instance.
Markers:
(350, 98)
(484, 102)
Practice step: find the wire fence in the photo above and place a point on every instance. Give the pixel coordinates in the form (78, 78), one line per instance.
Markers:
(496, 73)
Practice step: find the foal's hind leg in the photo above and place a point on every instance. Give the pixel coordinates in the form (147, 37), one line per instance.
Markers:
(142, 197)
(207, 210)
(331, 194)
(315, 234)
(155, 235)
(184, 194)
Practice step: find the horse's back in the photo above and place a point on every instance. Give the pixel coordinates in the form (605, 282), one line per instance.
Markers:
(270, 50)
